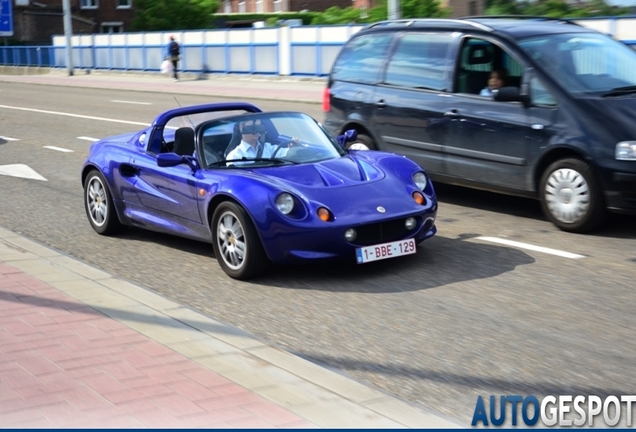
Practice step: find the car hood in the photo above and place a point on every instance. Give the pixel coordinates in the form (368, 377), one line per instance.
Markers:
(345, 171)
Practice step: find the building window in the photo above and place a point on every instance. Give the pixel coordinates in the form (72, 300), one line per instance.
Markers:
(227, 6)
(112, 27)
(278, 5)
(259, 6)
(124, 4)
(89, 4)
(242, 6)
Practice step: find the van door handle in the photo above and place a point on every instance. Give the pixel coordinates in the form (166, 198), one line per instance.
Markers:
(380, 103)
(451, 113)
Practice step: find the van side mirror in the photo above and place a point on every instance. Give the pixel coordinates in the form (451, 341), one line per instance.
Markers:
(510, 94)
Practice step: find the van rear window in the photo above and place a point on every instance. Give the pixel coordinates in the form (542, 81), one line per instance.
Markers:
(362, 58)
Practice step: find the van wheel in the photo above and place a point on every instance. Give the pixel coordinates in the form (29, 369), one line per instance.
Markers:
(237, 246)
(364, 140)
(571, 196)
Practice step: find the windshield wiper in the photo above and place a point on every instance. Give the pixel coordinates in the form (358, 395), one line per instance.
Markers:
(619, 91)
(229, 161)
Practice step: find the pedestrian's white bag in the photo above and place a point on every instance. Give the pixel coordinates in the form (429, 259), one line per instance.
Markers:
(166, 66)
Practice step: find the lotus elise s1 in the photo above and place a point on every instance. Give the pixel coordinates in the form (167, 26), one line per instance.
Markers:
(200, 172)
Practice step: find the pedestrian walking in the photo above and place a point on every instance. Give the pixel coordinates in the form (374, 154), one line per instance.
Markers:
(173, 52)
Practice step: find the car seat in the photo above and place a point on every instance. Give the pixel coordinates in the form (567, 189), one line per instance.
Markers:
(474, 75)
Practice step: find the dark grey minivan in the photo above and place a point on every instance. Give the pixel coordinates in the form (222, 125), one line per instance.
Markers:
(562, 129)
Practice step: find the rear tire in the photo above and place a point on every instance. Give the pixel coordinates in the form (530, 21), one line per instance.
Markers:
(571, 196)
(99, 206)
(236, 243)
(365, 140)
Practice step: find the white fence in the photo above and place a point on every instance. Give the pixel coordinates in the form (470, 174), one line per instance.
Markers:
(306, 50)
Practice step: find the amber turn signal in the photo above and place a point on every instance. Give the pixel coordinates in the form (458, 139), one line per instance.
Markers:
(419, 198)
(324, 214)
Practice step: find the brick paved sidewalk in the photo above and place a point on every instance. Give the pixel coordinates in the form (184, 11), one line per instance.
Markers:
(82, 348)
(64, 364)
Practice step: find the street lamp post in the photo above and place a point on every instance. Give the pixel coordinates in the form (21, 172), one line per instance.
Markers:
(394, 9)
(68, 31)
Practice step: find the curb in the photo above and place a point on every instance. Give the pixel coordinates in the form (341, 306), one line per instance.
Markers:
(322, 396)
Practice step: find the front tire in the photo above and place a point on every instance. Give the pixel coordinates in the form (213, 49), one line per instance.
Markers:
(365, 140)
(237, 246)
(99, 205)
(571, 196)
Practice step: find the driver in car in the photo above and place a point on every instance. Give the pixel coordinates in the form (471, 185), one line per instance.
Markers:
(251, 146)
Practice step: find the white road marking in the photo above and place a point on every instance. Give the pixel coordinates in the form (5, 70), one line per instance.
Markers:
(59, 149)
(131, 102)
(20, 170)
(74, 115)
(531, 247)
(9, 138)
(88, 139)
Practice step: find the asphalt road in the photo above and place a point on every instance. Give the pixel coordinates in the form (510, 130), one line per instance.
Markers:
(463, 317)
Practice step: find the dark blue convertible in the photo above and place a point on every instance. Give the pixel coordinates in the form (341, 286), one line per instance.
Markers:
(307, 199)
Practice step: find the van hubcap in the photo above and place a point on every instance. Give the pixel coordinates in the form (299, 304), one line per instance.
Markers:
(567, 195)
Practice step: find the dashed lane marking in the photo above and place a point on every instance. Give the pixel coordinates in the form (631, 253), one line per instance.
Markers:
(531, 247)
(58, 149)
(88, 138)
(9, 138)
(131, 102)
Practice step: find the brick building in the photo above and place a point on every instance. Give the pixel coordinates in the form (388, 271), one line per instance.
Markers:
(36, 21)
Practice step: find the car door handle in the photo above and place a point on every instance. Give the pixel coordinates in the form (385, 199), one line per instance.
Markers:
(380, 103)
(128, 170)
(451, 113)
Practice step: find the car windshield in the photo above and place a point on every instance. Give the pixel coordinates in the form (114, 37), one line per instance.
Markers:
(265, 139)
(585, 63)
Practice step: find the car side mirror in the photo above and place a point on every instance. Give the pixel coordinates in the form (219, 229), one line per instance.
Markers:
(348, 136)
(510, 94)
(169, 159)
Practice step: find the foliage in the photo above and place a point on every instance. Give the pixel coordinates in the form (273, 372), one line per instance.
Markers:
(554, 8)
(271, 19)
(153, 15)
(410, 9)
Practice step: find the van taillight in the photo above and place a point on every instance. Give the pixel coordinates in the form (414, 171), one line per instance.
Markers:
(326, 103)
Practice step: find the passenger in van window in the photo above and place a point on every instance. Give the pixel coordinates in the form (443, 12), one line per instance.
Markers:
(497, 80)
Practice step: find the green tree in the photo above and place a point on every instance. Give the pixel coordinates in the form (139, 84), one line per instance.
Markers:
(423, 9)
(154, 15)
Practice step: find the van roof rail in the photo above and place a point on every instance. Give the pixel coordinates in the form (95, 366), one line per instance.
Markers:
(521, 17)
(411, 21)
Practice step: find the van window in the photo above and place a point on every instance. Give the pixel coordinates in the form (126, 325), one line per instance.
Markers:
(584, 62)
(420, 61)
(539, 95)
(362, 58)
(478, 57)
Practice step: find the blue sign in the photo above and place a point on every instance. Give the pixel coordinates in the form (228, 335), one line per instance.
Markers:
(6, 18)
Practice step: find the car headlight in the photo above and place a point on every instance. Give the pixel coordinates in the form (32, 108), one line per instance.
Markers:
(420, 180)
(285, 203)
(626, 150)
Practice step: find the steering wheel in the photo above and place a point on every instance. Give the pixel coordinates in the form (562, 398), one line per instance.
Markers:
(284, 144)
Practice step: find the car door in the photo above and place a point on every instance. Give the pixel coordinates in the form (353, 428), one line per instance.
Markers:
(488, 140)
(410, 102)
(165, 190)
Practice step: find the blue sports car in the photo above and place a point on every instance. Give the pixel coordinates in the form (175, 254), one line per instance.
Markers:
(262, 187)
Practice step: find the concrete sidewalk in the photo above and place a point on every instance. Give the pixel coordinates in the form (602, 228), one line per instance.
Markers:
(81, 348)
(236, 87)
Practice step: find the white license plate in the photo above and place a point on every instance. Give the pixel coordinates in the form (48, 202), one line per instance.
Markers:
(385, 250)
